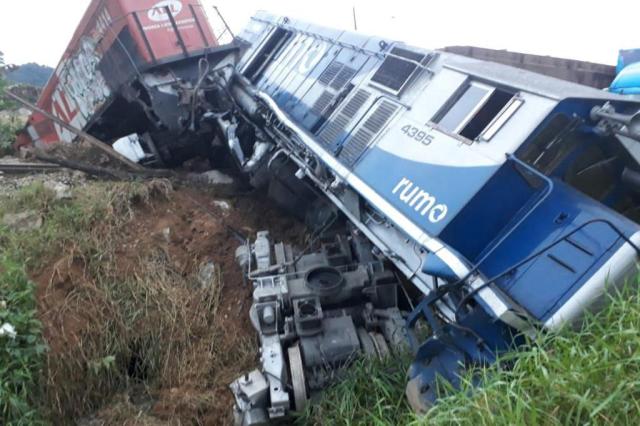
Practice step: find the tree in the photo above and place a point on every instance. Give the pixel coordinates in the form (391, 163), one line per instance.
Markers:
(7, 129)
(4, 68)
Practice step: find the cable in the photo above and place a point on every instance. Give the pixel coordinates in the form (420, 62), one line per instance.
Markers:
(203, 70)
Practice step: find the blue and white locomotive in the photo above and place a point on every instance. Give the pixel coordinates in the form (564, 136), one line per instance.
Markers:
(510, 200)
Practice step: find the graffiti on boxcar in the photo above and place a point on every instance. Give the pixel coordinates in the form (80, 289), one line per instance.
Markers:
(82, 89)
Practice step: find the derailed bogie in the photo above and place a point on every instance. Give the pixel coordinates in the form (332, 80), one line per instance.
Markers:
(314, 313)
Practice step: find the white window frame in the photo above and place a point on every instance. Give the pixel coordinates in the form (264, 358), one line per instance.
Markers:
(501, 119)
(474, 110)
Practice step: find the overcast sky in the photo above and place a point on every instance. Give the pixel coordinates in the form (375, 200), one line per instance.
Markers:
(39, 30)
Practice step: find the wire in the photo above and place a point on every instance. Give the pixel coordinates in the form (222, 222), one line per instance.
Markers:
(203, 70)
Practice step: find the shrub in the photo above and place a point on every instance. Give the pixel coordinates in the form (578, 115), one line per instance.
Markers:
(21, 356)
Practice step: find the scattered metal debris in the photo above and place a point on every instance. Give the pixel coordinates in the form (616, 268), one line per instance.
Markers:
(314, 314)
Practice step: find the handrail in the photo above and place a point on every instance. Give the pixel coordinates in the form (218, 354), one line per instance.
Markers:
(227, 28)
(543, 250)
(423, 309)
(542, 198)
(444, 289)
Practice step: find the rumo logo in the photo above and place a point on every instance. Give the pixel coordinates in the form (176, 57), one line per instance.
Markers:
(158, 13)
(420, 200)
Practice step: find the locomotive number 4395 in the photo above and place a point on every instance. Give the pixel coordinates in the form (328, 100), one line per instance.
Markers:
(417, 134)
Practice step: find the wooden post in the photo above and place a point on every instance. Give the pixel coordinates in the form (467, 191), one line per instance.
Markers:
(91, 140)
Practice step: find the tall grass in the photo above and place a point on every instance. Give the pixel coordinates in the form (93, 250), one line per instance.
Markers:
(108, 331)
(20, 355)
(153, 328)
(371, 393)
(586, 376)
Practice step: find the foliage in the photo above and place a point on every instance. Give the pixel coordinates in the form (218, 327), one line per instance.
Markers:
(588, 376)
(372, 393)
(4, 103)
(7, 135)
(20, 356)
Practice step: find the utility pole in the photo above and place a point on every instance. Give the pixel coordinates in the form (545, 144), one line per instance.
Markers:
(355, 22)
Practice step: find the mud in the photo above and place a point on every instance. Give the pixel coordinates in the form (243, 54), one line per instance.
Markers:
(193, 226)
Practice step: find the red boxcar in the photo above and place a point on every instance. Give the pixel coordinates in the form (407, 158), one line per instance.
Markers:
(116, 41)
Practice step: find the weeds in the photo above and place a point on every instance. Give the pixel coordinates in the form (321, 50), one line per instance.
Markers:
(20, 354)
(372, 393)
(112, 327)
(8, 134)
(589, 376)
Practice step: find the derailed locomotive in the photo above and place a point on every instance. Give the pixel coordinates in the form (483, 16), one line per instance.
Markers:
(509, 200)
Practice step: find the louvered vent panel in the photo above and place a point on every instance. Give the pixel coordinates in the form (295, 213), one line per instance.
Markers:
(322, 102)
(395, 71)
(333, 129)
(330, 72)
(337, 126)
(354, 147)
(342, 78)
(355, 103)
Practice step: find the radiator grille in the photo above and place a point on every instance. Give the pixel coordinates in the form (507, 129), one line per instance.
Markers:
(336, 127)
(322, 103)
(342, 78)
(358, 143)
(330, 73)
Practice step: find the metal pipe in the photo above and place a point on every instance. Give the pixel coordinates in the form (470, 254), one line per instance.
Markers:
(631, 121)
(144, 37)
(176, 30)
(223, 21)
(200, 30)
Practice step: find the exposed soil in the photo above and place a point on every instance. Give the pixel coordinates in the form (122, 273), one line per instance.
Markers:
(188, 229)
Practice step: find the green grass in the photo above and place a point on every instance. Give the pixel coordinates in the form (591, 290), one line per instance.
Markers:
(20, 357)
(372, 393)
(589, 376)
(110, 331)
(83, 225)
(31, 378)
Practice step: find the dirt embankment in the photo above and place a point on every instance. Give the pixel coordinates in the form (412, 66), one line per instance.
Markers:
(137, 334)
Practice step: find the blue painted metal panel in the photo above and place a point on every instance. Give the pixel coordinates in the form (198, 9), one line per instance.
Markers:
(545, 283)
(450, 186)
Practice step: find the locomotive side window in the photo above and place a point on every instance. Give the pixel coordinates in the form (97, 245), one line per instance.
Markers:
(474, 108)
(267, 53)
(502, 118)
(398, 68)
(550, 147)
(463, 108)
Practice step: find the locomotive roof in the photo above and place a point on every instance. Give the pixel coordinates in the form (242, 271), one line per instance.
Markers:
(550, 87)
